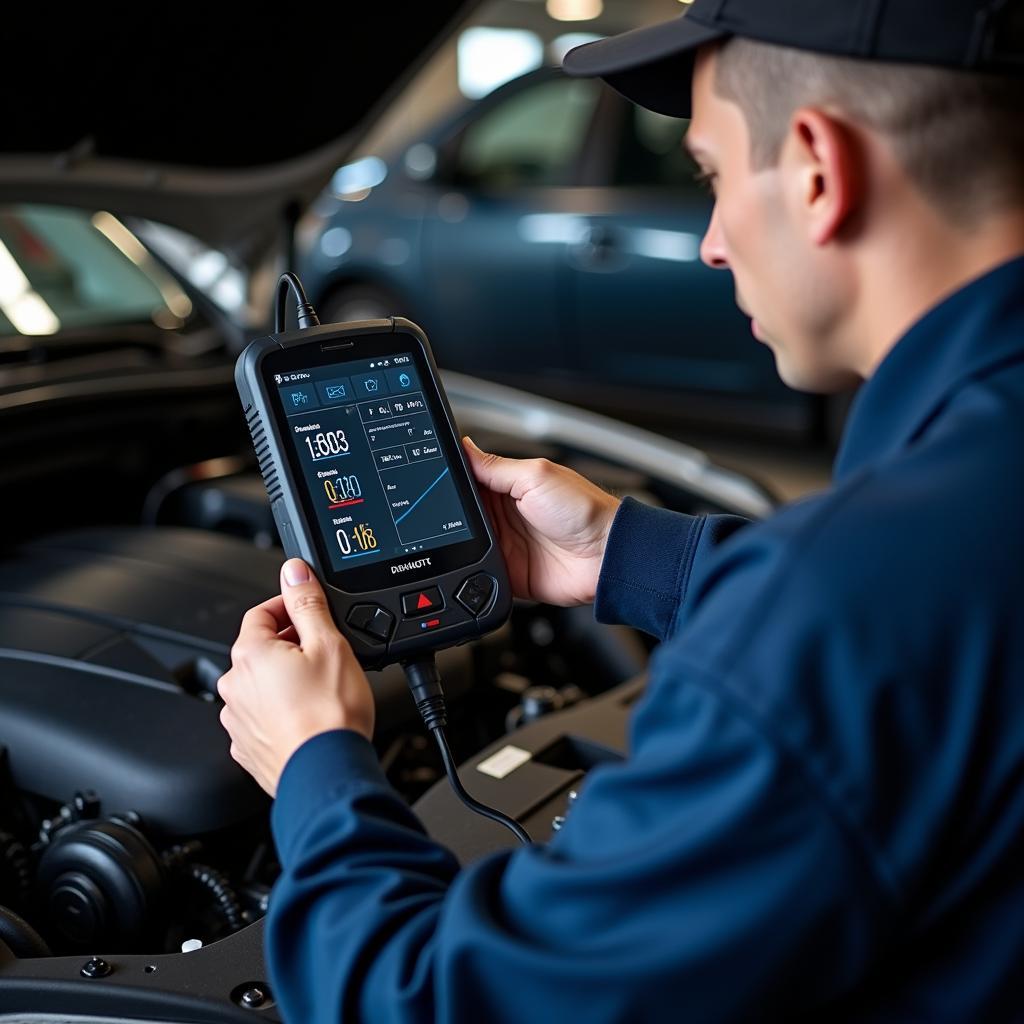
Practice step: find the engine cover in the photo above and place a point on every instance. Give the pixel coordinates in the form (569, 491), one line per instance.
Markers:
(111, 642)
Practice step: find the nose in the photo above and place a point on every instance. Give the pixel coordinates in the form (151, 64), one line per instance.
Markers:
(712, 248)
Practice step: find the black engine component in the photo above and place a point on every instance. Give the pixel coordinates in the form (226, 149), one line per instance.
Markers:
(554, 754)
(15, 871)
(111, 644)
(20, 937)
(187, 873)
(216, 885)
(101, 881)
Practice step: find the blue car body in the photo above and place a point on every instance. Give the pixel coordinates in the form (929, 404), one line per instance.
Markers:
(577, 275)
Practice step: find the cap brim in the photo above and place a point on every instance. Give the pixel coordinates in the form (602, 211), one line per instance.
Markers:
(651, 66)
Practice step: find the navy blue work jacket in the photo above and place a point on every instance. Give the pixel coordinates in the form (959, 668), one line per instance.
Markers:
(822, 813)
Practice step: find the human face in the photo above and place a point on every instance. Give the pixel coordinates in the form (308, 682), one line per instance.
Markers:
(759, 231)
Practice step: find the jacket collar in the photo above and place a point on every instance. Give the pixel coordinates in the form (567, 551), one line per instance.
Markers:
(967, 335)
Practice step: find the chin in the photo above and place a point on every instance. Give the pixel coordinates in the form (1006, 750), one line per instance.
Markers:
(796, 375)
(815, 380)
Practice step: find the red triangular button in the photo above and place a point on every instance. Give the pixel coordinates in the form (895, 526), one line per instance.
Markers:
(424, 602)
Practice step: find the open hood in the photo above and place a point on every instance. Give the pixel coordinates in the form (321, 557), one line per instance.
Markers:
(222, 130)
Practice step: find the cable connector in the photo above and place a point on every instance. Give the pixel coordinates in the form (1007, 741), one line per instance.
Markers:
(305, 312)
(307, 316)
(427, 693)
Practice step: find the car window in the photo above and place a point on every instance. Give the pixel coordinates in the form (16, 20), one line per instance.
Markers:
(62, 268)
(220, 278)
(651, 153)
(533, 138)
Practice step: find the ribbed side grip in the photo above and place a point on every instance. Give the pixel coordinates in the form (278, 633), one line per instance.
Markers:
(263, 457)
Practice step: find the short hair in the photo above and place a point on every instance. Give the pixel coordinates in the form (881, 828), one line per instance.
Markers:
(958, 135)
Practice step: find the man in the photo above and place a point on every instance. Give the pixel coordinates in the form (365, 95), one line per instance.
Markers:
(823, 809)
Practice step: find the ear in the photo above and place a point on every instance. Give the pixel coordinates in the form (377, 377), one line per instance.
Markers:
(825, 166)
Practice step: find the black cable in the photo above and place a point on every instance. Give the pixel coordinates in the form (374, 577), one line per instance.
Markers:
(178, 856)
(180, 860)
(460, 791)
(224, 896)
(305, 312)
(425, 685)
(20, 937)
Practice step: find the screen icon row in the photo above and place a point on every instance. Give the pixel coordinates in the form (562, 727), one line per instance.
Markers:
(337, 390)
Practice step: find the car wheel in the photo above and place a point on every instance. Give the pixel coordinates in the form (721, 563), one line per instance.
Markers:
(360, 302)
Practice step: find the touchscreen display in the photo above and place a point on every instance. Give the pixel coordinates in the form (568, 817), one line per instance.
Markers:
(379, 482)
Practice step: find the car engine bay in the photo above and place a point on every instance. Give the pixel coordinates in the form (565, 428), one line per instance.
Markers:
(138, 533)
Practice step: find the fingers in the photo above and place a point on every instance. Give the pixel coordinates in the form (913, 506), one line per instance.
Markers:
(306, 603)
(494, 472)
(262, 623)
(276, 607)
(273, 619)
(224, 689)
(289, 634)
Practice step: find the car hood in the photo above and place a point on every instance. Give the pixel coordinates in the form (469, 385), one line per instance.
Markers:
(226, 132)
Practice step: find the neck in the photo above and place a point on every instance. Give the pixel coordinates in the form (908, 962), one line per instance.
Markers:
(914, 267)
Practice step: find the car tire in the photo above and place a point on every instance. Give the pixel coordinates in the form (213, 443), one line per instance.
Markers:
(360, 302)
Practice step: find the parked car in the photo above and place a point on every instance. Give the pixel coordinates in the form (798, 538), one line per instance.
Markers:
(138, 531)
(548, 236)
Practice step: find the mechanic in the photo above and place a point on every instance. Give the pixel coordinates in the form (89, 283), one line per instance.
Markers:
(823, 808)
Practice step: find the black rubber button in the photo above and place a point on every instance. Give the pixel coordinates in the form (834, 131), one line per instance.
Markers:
(476, 593)
(372, 620)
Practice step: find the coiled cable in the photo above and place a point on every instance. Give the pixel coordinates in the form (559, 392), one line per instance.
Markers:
(180, 860)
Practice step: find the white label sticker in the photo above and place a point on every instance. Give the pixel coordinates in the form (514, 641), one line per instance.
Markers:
(504, 762)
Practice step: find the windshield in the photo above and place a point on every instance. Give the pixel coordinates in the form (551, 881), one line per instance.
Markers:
(64, 268)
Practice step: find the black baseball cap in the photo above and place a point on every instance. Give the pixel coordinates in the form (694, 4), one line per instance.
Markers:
(653, 66)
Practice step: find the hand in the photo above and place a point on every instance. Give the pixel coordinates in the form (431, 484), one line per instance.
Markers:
(552, 525)
(292, 676)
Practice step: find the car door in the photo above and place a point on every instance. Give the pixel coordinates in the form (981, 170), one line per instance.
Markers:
(647, 313)
(498, 281)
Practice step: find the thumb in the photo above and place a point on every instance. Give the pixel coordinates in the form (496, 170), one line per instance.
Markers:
(305, 602)
(494, 472)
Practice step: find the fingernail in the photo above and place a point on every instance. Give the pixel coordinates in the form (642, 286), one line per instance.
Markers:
(471, 442)
(295, 572)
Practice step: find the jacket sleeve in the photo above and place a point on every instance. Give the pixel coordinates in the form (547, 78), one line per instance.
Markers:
(678, 887)
(650, 557)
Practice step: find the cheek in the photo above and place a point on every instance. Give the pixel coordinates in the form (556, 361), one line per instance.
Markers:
(747, 233)
(760, 241)
(730, 216)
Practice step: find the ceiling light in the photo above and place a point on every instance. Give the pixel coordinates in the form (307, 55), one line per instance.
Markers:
(490, 57)
(575, 10)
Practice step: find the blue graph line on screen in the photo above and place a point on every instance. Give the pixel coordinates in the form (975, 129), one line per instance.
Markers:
(421, 497)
